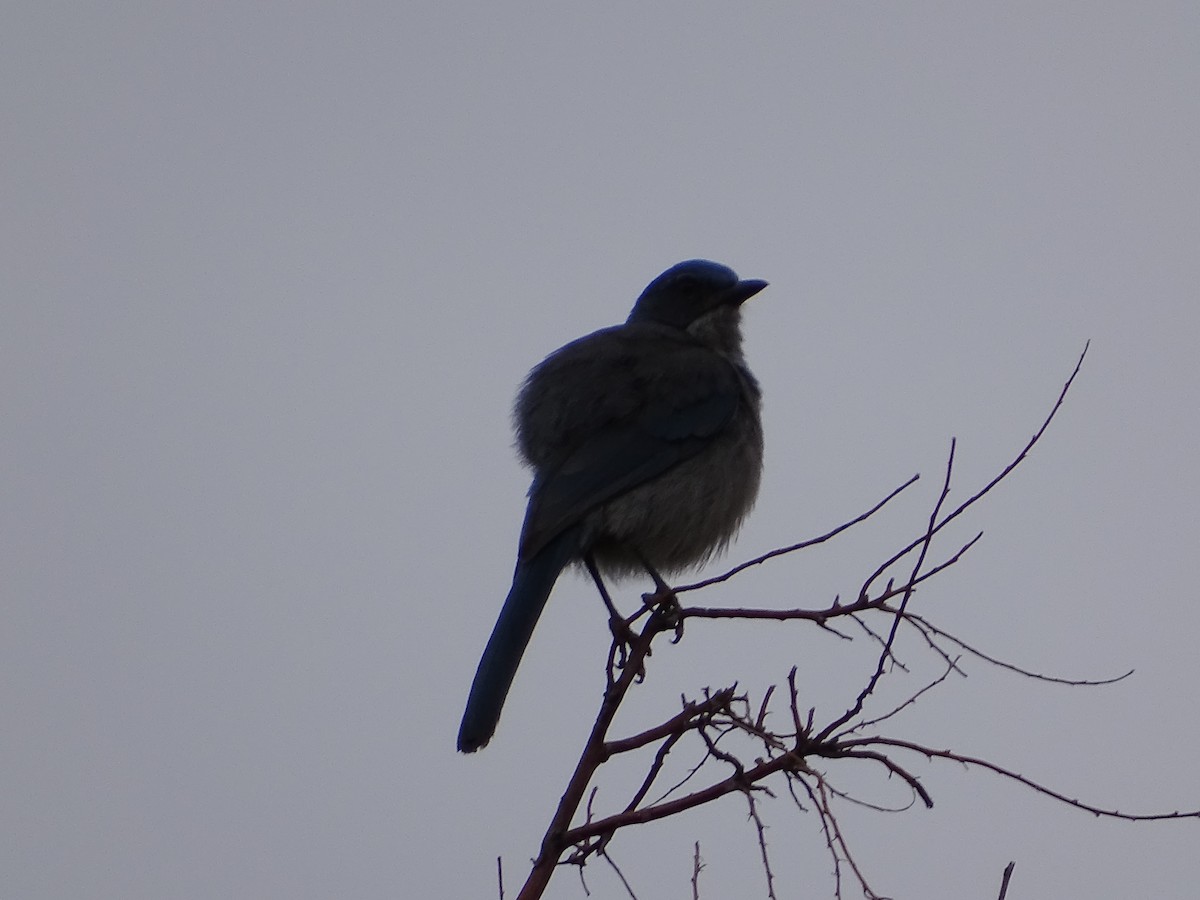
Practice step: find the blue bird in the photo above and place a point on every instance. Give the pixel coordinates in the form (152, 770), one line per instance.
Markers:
(646, 448)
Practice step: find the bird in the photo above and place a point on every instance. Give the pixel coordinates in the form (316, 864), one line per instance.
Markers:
(645, 442)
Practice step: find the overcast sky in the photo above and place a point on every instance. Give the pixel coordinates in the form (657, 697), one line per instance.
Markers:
(272, 272)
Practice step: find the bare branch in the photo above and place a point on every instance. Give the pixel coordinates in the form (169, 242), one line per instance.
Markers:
(908, 778)
(978, 495)
(811, 542)
(762, 844)
(951, 667)
(839, 837)
(1008, 870)
(927, 627)
(866, 804)
(710, 722)
(655, 768)
(699, 797)
(1014, 776)
(681, 721)
(899, 615)
(621, 875)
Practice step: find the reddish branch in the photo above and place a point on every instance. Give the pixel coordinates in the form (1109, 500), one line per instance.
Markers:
(787, 753)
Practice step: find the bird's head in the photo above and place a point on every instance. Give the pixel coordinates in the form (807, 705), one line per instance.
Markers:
(700, 297)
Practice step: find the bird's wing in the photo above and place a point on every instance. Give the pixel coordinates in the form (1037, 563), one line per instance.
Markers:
(677, 397)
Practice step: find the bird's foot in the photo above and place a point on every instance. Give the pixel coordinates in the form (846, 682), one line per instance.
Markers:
(664, 605)
(624, 639)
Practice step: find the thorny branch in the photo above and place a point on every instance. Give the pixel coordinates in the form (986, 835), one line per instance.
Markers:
(790, 753)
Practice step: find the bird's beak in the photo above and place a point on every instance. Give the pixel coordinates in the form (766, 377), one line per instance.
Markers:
(743, 291)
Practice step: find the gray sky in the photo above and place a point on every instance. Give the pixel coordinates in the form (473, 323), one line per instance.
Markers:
(271, 276)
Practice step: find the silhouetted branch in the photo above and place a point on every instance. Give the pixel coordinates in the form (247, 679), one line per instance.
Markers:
(965, 760)
(1008, 870)
(764, 854)
(978, 495)
(724, 721)
(930, 631)
(869, 689)
(811, 542)
(867, 723)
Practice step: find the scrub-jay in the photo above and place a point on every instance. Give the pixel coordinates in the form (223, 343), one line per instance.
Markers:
(646, 448)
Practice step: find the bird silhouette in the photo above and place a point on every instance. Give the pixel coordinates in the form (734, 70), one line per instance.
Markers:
(646, 448)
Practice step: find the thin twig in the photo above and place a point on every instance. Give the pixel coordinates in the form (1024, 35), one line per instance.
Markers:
(877, 807)
(899, 616)
(608, 859)
(921, 622)
(1014, 776)
(974, 498)
(908, 778)
(866, 723)
(759, 560)
(762, 844)
(1008, 870)
(827, 811)
(687, 718)
(655, 768)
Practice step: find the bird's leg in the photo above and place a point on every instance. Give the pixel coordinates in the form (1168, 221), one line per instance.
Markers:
(663, 600)
(594, 571)
(623, 635)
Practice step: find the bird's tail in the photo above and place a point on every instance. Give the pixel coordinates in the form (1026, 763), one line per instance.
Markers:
(531, 587)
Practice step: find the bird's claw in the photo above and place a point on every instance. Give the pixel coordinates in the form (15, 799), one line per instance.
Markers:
(665, 606)
(623, 637)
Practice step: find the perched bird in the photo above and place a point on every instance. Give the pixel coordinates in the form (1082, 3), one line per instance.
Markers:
(646, 448)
